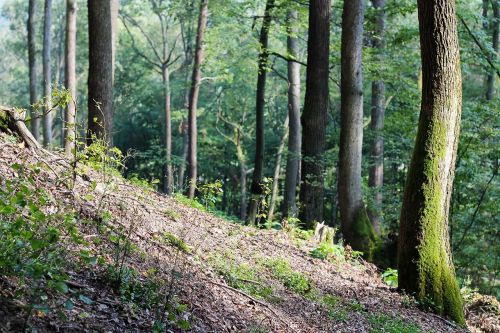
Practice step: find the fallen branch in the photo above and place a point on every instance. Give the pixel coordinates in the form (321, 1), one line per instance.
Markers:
(249, 297)
(14, 120)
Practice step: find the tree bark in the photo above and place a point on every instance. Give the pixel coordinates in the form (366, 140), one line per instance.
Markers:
(294, 139)
(100, 84)
(490, 80)
(376, 170)
(193, 99)
(187, 37)
(315, 114)
(169, 176)
(356, 227)
(115, 6)
(424, 256)
(277, 170)
(69, 123)
(47, 73)
(35, 121)
(258, 171)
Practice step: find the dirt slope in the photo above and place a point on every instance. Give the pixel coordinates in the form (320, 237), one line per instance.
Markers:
(211, 275)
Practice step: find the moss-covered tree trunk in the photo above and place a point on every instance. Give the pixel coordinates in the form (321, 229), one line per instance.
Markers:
(424, 258)
(356, 227)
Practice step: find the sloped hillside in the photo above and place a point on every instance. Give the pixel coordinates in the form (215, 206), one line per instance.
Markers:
(133, 260)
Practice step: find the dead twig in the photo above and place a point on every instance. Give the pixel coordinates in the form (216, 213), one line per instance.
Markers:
(251, 298)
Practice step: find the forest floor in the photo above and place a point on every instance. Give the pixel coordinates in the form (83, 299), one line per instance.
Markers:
(209, 274)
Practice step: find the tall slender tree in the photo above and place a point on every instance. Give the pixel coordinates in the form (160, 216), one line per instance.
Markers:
(187, 28)
(100, 82)
(356, 227)
(160, 57)
(376, 170)
(69, 123)
(495, 29)
(193, 99)
(424, 260)
(35, 121)
(47, 73)
(258, 171)
(294, 136)
(315, 114)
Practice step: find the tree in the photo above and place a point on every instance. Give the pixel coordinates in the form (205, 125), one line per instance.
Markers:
(424, 260)
(69, 123)
(356, 227)
(376, 170)
(314, 115)
(258, 171)
(193, 99)
(162, 60)
(100, 84)
(47, 74)
(35, 121)
(277, 171)
(294, 139)
(495, 28)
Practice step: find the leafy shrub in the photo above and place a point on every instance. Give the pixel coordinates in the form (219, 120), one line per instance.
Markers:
(33, 233)
(390, 277)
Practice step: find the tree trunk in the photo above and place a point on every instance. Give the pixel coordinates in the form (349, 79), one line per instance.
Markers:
(193, 99)
(315, 114)
(69, 123)
(169, 177)
(294, 139)
(243, 178)
(187, 36)
(115, 6)
(35, 121)
(47, 73)
(185, 150)
(424, 256)
(258, 171)
(490, 80)
(376, 170)
(277, 170)
(356, 227)
(100, 84)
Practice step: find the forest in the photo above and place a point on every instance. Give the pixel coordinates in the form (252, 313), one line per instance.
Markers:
(249, 166)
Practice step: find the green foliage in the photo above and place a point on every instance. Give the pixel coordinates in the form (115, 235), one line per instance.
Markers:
(176, 242)
(335, 252)
(390, 277)
(189, 202)
(291, 279)
(172, 214)
(32, 246)
(243, 276)
(382, 323)
(210, 193)
(334, 308)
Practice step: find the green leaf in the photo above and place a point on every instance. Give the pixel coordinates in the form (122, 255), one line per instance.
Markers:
(69, 305)
(85, 299)
(61, 287)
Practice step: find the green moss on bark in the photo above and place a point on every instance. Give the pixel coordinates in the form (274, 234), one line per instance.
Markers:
(365, 238)
(436, 282)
